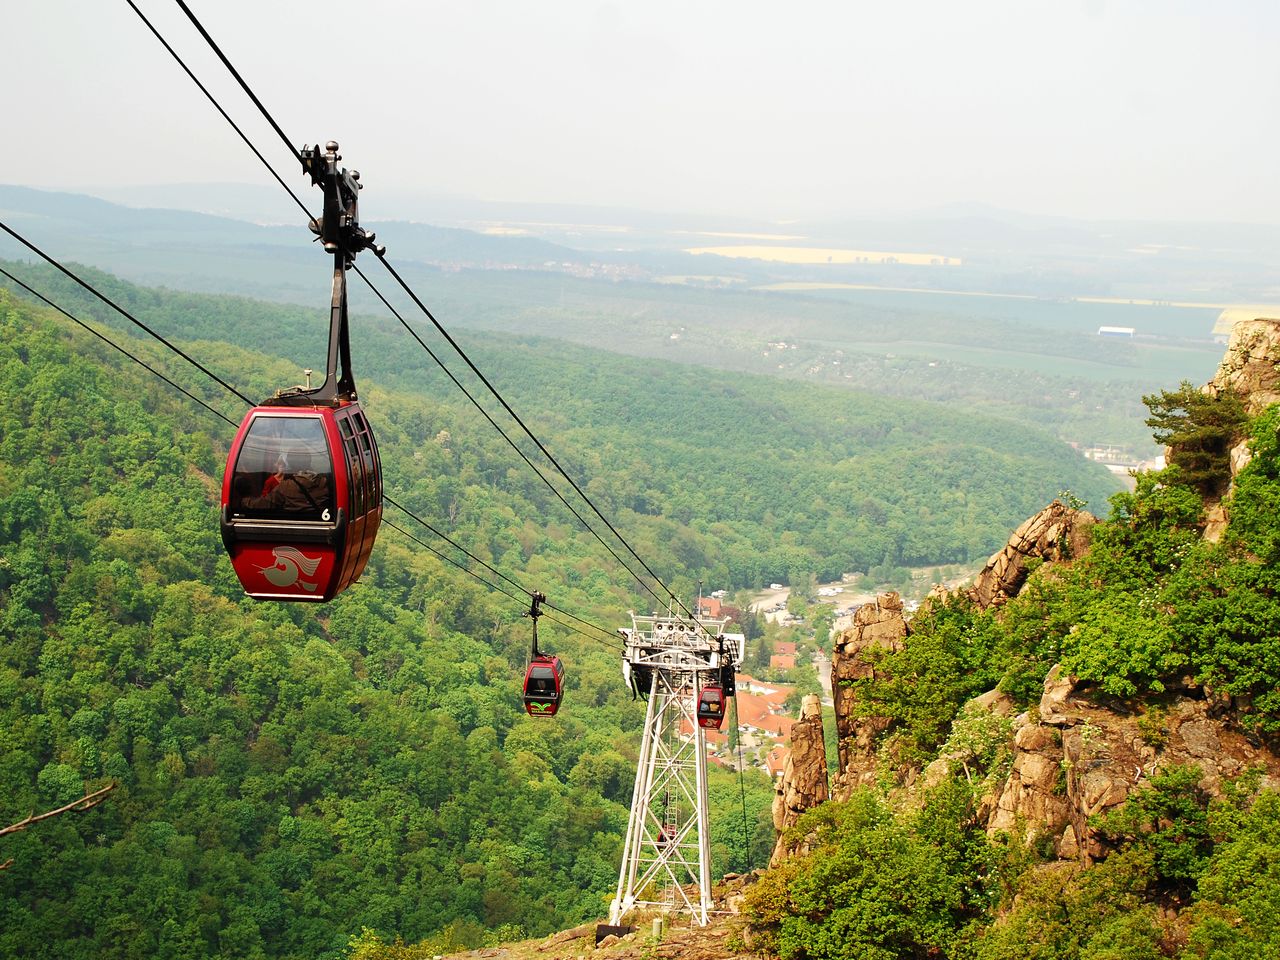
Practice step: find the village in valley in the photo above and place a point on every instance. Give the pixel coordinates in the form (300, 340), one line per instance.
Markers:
(786, 655)
(784, 659)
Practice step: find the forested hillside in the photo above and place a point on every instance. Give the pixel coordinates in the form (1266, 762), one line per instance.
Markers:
(1020, 344)
(1132, 810)
(287, 775)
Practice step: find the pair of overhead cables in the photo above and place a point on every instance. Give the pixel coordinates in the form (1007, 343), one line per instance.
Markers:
(381, 254)
(671, 598)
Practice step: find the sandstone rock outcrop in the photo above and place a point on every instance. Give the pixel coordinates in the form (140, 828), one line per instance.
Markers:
(1251, 370)
(1057, 532)
(1249, 367)
(878, 627)
(804, 779)
(981, 717)
(1074, 758)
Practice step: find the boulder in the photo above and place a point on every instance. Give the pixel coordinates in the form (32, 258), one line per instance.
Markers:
(1249, 367)
(1057, 532)
(1058, 687)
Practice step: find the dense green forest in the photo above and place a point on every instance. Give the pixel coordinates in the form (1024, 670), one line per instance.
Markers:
(740, 480)
(1151, 611)
(288, 775)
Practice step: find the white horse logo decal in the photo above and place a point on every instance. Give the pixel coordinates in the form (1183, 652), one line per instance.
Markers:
(291, 564)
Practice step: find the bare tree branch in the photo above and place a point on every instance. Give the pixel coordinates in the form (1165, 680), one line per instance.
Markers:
(87, 802)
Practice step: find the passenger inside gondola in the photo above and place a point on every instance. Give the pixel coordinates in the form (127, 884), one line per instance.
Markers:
(302, 492)
(287, 460)
(542, 683)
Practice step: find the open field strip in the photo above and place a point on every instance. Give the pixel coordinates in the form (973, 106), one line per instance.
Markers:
(802, 285)
(807, 255)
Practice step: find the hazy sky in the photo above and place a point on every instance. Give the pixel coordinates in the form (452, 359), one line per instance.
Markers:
(1139, 109)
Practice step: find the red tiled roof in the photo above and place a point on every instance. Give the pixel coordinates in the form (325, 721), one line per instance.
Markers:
(751, 707)
(776, 761)
(785, 647)
(775, 724)
(782, 661)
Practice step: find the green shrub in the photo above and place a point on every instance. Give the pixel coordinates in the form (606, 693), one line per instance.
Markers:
(876, 887)
(1170, 820)
(1237, 913)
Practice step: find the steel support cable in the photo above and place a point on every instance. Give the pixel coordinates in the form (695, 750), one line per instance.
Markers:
(497, 589)
(742, 790)
(612, 641)
(226, 386)
(505, 436)
(288, 144)
(453, 343)
(538, 443)
(449, 560)
(122, 311)
(496, 572)
(266, 114)
(107, 340)
(239, 79)
(217, 106)
(457, 546)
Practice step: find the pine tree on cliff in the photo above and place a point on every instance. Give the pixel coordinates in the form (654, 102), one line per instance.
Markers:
(1199, 429)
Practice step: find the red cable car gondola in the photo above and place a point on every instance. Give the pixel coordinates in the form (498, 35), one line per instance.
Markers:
(543, 686)
(302, 492)
(544, 679)
(711, 706)
(297, 528)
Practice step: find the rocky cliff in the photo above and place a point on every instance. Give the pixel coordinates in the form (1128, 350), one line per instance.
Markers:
(1251, 371)
(1055, 534)
(877, 627)
(1078, 753)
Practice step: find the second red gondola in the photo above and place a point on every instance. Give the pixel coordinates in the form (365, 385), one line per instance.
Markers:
(711, 706)
(543, 686)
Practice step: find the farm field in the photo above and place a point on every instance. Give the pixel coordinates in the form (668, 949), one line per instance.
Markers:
(1182, 320)
(1157, 362)
(779, 254)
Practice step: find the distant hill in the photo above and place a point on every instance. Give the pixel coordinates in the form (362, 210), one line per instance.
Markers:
(200, 250)
(1011, 338)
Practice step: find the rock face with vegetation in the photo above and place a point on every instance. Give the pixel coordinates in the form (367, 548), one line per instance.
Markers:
(1082, 752)
(1075, 758)
(1058, 532)
(878, 628)
(1245, 384)
(1249, 369)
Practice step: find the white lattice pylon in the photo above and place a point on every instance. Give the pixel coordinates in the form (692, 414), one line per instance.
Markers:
(666, 860)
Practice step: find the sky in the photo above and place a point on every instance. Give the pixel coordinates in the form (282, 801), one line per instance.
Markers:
(1093, 109)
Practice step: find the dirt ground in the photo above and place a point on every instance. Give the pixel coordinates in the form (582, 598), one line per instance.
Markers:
(721, 938)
